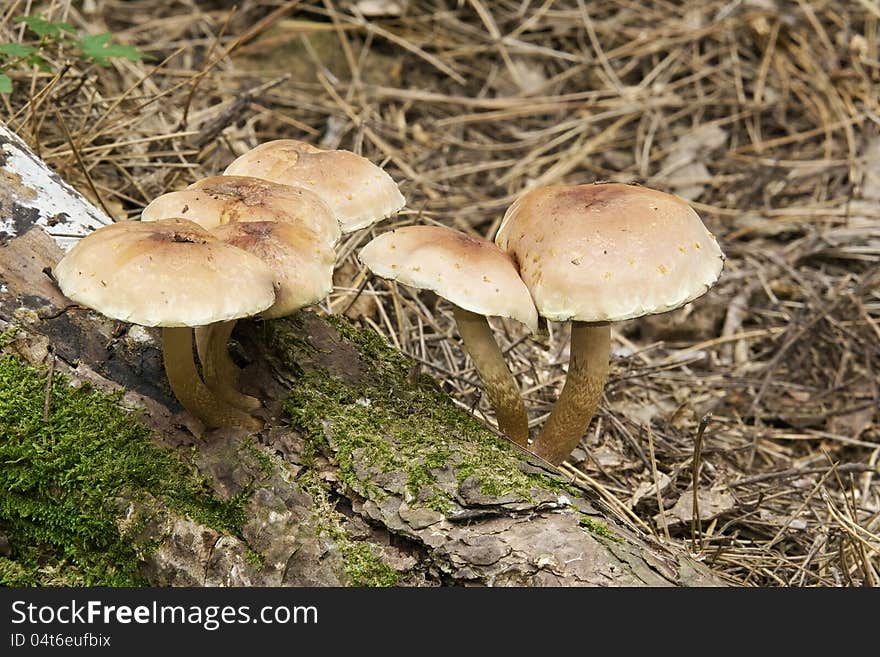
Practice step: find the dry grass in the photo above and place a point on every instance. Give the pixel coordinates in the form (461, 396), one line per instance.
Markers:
(763, 112)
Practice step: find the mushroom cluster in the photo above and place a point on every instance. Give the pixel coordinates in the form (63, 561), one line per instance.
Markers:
(257, 241)
(593, 254)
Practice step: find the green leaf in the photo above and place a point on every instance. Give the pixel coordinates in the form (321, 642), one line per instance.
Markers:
(99, 49)
(16, 49)
(43, 28)
(37, 60)
(5, 84)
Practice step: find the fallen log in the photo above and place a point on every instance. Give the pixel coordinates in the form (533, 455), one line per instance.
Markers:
(366, 472)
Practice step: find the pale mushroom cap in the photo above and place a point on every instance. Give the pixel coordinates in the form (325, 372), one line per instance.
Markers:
(164, 273)
(301, 262)
(220, 200)
(608, 252)
(471, 272)
(359, 192)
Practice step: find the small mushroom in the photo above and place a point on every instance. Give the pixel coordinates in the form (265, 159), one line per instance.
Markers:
(174, 274)
(302, 268)
(302, 253)
(597, 254)
(479, 279)
(357, 191)
(220, 200)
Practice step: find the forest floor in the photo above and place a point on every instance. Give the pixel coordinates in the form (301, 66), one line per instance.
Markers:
(761, 396)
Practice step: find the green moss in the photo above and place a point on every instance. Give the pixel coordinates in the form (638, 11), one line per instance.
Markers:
(8, 335)
(61, 478)
(254, 558)
(191, 493)
(259, 455)
(361, 563)
(365, 568)
(597, 528)
(374, 430)
(11, 571)
(385, 425)
(383, 359)
(290, 339)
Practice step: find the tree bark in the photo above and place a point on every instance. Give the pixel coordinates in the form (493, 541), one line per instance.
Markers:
(312, 502)
(31, 194)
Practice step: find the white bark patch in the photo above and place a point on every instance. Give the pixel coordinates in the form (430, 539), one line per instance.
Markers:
(39, 196)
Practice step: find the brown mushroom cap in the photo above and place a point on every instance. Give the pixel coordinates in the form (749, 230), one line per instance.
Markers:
(164, 273)
(468, 271)
(358, 192)
(220, 200)
(608, 252)
(301, 262)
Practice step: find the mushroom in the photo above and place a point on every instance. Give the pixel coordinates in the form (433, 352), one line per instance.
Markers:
(596, 254)
(225, 200)
(329, 192)
(302, 268)
(479, 279)
(357, 191)
(219, 200)
(174, 274)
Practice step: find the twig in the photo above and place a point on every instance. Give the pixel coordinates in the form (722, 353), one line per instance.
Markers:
(696, 522)
(660, 505)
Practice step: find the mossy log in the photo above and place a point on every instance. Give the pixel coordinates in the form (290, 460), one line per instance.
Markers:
(366, 473)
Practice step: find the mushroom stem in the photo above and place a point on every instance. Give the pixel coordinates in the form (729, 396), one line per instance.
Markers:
(221, 374)
(587, 371)
(501, 387)
(195, 396)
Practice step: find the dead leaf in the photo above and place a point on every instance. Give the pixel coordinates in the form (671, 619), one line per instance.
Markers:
(644, 411)
(689, 181)
(648, 489)
(684, 169)
(712, 504)
(852, 424)
(870, 169)
(523, 77)
(778, 520)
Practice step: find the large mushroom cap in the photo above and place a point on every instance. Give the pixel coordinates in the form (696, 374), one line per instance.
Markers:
(471, 272)
(608, 252)
(220, 200)
(301, 262)
(164, 273)
(358, 192)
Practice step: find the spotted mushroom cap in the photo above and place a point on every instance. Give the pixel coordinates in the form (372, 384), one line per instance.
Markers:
(609, 252)
(357, 191)
(301, 262)
(220, 200)
(164, 273)
(468, 271)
